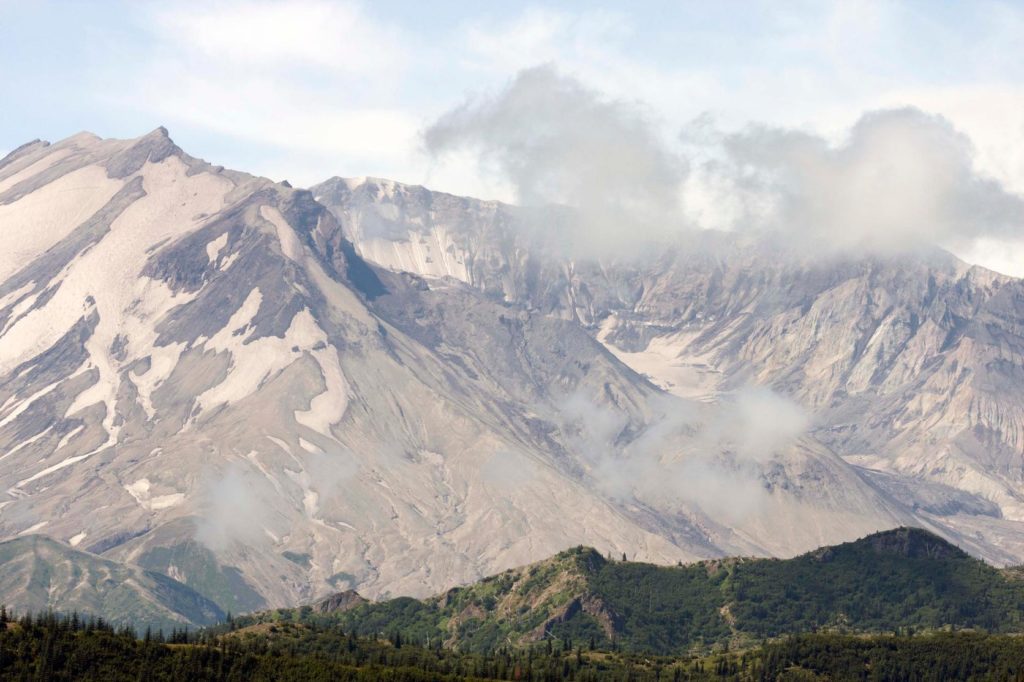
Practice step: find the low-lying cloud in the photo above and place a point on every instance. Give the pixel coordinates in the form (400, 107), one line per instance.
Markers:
(708, 457)
(234, 509)
(241, 506)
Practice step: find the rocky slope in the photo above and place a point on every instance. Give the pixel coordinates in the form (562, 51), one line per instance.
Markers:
(909, 367)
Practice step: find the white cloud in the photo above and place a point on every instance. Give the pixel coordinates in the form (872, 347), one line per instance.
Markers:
(313, 85)
(558, 142)
(711, 457)
(311, 88)
(809, 67)
(337, 36)
(898, 179)
(233, 508)
(901, 179)
(992, 116)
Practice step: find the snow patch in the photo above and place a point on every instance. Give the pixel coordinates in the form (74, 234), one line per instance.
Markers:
(310, 497)
(68, 436)
(28, 441)
(254, 362)
(253, 457)
(33, 529)
(27, 402)
(140, 490)
(214, 248)
(42, 218)
(77, 539)
(229, 261)
(327, 408)
(162, 361)
(95, 280)
(290, 244)
(56, 467)
(430, 254)
(166, 501)
(280, 443)
(16, 294)
(34, 169)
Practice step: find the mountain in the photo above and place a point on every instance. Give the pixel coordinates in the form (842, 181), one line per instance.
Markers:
(200, 376)
(38, 574)
(908, 366)
(903, 578)
(271, 394)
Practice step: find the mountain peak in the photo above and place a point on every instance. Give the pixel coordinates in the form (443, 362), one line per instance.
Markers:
(914, 543)
(339, 602)
(158, 135)
(154, 147)
(905, 541)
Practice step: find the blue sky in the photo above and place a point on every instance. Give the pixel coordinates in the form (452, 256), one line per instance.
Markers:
(308, 89)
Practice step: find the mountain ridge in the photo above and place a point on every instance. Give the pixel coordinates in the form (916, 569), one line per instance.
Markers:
(39, 574)
(905, 577)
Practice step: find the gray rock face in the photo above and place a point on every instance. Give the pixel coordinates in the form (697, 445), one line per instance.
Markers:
(339, 603)
(271, 394)
(909, 366)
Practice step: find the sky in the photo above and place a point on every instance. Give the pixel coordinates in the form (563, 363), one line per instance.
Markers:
(310, 89)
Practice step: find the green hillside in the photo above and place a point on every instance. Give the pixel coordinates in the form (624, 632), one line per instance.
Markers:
(39, 574)
(894, 580)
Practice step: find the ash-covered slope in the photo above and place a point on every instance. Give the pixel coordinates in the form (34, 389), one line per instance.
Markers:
(909, 366)
(682, 473)
(38, 574)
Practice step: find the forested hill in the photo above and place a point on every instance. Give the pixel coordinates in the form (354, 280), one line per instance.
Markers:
(894, 580)
(583, 616)
(55, 648)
